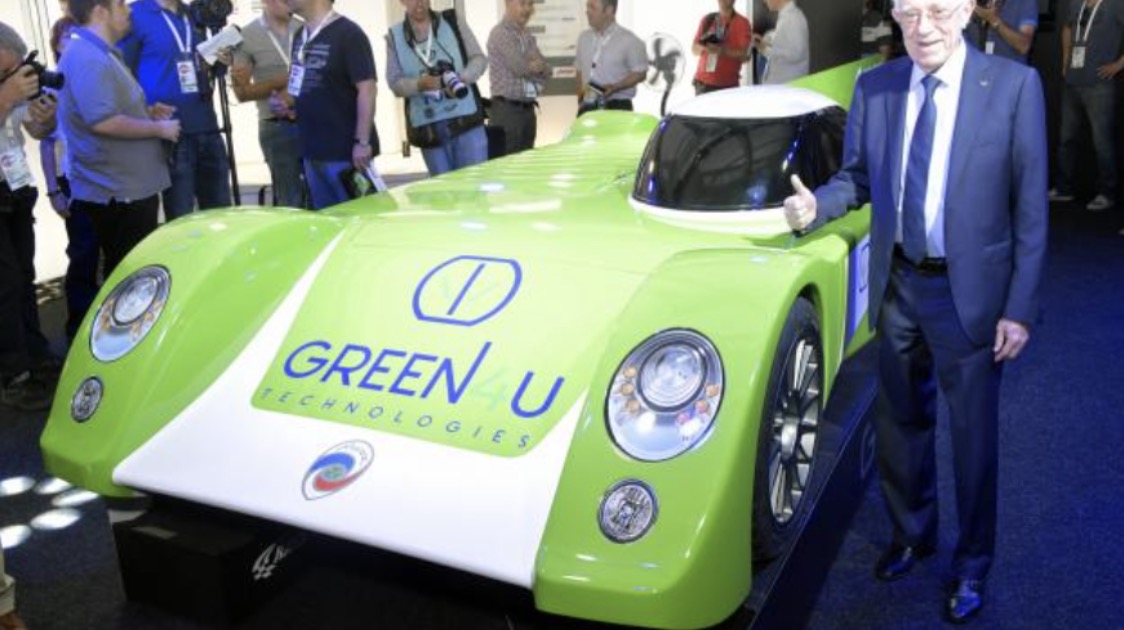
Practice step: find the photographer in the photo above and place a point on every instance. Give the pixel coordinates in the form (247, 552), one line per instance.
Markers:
(722, 46)
(160, 50)
(27, 369)
(433, 61)
(115, 143)
(611, 60)
(1004, 27)
(331, 95)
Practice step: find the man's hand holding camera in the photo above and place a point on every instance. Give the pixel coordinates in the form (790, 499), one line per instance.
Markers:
(21, 85)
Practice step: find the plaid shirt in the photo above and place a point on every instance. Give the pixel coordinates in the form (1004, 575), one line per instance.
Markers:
(510, 51)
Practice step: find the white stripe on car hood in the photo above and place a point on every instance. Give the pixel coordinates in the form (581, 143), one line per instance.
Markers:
(476, 512)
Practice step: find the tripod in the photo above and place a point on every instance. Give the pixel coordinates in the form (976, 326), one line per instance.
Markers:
(227, 130)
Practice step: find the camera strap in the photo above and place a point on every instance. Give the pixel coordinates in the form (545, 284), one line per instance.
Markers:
(185, 63)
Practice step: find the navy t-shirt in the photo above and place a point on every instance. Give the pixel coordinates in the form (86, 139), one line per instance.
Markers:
(334, 61)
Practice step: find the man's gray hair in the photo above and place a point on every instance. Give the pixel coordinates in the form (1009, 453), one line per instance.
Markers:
(11, 41)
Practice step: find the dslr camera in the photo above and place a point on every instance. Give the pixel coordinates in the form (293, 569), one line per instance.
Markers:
(210, 14)
(47, 79)
(710, 38)
(449, 78)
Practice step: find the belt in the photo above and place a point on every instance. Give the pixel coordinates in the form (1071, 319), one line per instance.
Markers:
(925, 265)
(511, 101)
(279, 120)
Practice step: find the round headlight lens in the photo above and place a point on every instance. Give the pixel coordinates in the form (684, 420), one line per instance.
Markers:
(130, 311)
(672, 375)
(86, 399)
(665, 395)
(135, 300)
(628, 511)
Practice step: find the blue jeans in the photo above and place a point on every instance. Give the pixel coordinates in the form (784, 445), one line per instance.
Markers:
(1097, 104)
(280, 145)
(200, 171)
(82, 273)
(471, 147)
(324, 186)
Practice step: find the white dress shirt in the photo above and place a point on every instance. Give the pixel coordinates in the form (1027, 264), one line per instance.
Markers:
(786, 46)
(946, 98)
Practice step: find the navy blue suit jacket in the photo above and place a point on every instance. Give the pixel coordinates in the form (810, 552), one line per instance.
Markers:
(995, 206)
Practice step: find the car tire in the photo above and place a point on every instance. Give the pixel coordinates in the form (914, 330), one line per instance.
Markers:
(788, 435)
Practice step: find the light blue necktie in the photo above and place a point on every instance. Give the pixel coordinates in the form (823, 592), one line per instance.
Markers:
(917, 175)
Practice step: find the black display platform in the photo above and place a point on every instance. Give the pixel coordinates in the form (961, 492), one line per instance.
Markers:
(200, 563)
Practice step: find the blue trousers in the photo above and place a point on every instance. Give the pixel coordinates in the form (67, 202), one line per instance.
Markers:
(1097, 104)
(922, 346)
(324, 185)
(470, 147)
(200, 172)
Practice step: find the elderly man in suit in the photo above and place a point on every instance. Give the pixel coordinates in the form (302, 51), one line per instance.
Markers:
(958, 242)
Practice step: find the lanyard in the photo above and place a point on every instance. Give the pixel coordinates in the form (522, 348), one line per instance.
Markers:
(601, 41)
(306, 37)
(281, 50)
(425, 56)
(184, 48)
(1089, 25)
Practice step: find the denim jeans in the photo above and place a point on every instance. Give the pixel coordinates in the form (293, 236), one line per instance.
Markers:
(200, 172)
(324, 185)
(280, 145)
(82, 272)
(471, 147)
(1097, 104)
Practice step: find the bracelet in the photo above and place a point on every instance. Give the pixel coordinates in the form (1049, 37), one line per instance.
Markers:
(996, 24)
(362, 143)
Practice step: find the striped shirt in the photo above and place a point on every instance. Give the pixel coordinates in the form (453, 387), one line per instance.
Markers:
(510, 51)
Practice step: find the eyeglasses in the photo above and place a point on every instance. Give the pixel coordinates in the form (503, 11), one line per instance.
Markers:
(936, 15)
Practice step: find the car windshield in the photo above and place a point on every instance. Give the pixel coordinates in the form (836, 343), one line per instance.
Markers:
(722, 164)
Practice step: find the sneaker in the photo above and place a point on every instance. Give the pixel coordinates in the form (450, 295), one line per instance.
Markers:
(26, 393)
(1059, 197)
(1100, 202)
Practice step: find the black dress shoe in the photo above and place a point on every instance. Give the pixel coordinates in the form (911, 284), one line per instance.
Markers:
(965, 599)
(899, 560)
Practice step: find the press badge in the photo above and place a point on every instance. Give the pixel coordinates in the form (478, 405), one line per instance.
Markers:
(296, 79)
(530, 90)
(13, 162)
(1078, 58)
(189, 82)
(989, 47)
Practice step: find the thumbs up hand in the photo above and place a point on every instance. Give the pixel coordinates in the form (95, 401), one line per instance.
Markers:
(800, 208)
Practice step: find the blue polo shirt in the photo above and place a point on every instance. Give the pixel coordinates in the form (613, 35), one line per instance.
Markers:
(151, 51)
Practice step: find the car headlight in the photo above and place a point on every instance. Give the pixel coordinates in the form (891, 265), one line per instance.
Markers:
(665, 395)
(130, 311)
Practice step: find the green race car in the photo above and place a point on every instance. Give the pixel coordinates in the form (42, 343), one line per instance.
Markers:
(595, 370)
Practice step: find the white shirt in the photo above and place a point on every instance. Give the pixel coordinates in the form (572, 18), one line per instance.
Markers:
(787, 46)
(946, 98)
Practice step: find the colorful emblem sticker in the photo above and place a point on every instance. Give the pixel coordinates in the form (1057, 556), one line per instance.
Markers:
(337, 468)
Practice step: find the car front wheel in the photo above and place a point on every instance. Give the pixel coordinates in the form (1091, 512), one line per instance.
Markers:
(788, 434)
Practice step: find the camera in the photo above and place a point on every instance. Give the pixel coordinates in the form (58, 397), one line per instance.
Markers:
(710, 38)
(449, 78)
(210, 14)
(47, 79)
